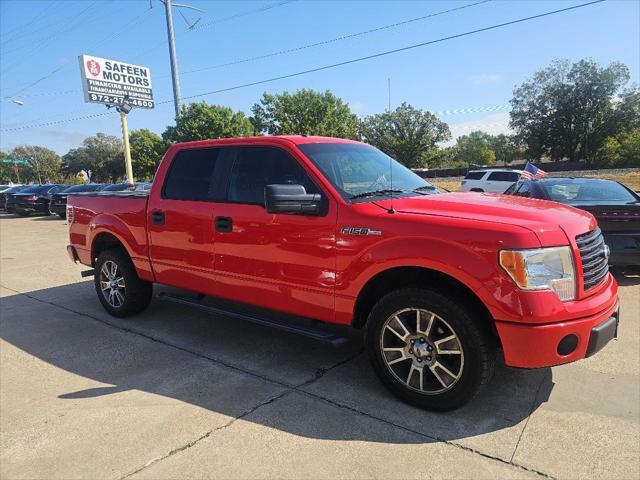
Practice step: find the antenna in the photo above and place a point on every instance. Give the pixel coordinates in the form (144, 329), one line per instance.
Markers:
(389, 92)
(391, 210)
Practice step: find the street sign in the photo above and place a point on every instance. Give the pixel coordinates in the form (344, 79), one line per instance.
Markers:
(15, 161)
(110, 81)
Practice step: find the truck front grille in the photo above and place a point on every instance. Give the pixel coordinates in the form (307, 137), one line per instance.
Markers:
(595, 264)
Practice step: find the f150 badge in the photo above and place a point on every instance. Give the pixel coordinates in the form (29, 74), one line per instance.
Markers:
(359, 231)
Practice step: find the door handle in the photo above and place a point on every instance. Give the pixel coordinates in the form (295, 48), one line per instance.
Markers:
(157, 217)
(224, 224)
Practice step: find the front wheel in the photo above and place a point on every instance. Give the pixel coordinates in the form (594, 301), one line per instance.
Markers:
(428, 350)
(120, 290)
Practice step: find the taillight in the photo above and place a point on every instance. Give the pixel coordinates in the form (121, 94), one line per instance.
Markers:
(69, 214)
(31, 198)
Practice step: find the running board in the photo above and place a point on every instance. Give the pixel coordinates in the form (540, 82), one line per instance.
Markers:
(331, 338)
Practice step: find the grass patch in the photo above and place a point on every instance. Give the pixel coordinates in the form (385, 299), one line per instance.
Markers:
(630, 179)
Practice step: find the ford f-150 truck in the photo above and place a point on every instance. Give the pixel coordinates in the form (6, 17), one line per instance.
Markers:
(293, 231)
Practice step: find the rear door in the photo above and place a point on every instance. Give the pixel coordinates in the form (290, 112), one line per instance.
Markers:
(499, 182)
(180, 220)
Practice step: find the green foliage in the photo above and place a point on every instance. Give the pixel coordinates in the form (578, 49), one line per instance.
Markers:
(201, 121)
(506, 148)
(305, 112)
(407, 134)
(43, 164)
(621, 151)
(100, 156)
(552, 111)
(147, 149)
(475, 149)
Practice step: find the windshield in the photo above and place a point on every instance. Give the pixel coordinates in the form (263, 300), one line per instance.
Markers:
(361, 171)
(569, 191)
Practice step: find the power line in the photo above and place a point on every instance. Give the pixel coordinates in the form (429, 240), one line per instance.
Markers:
(334, 40)
(396, 50)
(355, 60)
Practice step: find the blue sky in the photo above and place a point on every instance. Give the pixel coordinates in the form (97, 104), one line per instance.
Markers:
(44, 38)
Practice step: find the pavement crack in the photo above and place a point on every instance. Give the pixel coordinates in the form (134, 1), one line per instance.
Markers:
(424, 435)
(526, 422)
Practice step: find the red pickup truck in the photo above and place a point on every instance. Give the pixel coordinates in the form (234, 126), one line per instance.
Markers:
(293, 231)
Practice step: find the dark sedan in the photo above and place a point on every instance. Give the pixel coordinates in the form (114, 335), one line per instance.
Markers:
(5, 193)
(33, 199)
(121, 187)
(58, 203)
(616, 207)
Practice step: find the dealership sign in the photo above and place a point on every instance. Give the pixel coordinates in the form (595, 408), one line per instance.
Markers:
(109, 82)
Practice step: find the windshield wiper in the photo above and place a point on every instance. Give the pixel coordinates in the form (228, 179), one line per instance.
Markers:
(429, 189)
(374, 193)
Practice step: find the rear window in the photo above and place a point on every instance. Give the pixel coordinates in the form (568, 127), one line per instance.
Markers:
(83, 188)
(504, 176)
(191, 175)
(588, 191)
(474, 175)
(37, 189)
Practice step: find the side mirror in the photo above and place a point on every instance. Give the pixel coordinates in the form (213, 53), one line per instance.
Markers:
(291, 199)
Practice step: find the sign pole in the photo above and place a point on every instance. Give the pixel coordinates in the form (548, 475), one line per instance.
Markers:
(175, 76)
(127, 151)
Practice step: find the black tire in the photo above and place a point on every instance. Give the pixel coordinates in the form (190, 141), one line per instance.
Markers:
(63, 216)
(476, 190)
(22, 214)
(136, 293)
(475, 363)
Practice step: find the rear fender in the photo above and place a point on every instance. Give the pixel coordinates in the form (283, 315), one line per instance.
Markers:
(109, 224)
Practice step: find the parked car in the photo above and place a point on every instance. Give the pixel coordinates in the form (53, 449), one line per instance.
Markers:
(494, 180)
(120, 187)
(284, 230)
(58, 201)
(9, 191)
(616, 207)
(34, 199)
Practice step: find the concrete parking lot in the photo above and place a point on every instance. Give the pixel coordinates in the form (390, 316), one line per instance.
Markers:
(176, 393)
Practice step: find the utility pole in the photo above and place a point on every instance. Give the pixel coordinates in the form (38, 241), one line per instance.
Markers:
(175, 75)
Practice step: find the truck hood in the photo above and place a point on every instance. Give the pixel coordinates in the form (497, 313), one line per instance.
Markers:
(546, 219)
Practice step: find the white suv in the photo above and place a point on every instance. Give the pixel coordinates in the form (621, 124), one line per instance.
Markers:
(495, 180)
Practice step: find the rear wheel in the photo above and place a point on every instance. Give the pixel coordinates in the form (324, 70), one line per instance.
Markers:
(120, 290)
(22, 214)
(428, 350)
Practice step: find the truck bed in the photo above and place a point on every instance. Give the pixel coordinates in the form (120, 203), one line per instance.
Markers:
(104, 215)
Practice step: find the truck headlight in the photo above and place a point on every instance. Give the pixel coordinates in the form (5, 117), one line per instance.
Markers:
(548, 268)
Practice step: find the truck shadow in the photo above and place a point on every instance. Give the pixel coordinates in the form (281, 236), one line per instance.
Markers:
(66, 327)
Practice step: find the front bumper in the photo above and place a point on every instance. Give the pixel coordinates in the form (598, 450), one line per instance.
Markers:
(535, 346)
(624, 247)
(58, 209)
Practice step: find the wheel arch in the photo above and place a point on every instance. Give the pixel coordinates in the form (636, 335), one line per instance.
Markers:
(404, 276)
(105, 241)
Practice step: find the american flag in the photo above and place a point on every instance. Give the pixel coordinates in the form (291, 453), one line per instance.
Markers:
(531, 172)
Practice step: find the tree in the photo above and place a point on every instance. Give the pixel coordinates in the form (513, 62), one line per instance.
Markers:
(100, 156)
(43, 165)
(305, 112)
(555, 111)
(620, 151)
(147, 149)
(407, 134)
(474, 149)
(201, 121)
(506, 148)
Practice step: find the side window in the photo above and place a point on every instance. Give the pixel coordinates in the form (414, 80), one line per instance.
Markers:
(474, 175)
(513, 176)
(256, 167)
(497, 177)
(524, 190)
(190, 176)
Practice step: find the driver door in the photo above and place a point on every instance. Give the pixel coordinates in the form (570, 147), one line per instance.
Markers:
(283, 262)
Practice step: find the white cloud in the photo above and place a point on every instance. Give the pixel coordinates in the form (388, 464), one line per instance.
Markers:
(486, 78)
(494, 124)
(357, 107)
